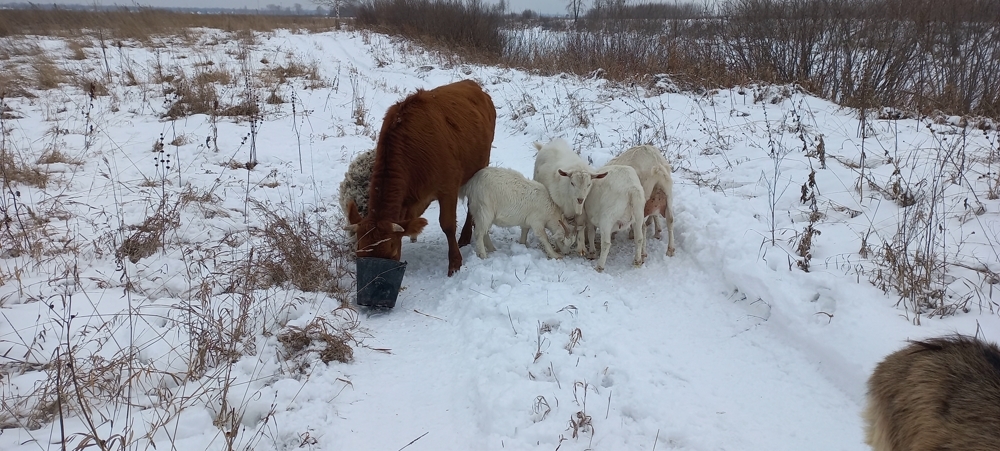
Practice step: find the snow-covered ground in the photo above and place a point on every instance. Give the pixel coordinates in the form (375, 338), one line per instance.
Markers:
(729, 345)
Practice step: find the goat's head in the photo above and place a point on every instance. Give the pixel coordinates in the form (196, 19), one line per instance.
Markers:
(580, 182)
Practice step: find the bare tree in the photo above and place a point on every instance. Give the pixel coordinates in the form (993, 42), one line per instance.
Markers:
(334, 6)
(575, 7)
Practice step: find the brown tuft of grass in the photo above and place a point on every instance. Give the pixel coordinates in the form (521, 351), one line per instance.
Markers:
(329, 341)
(180, 140)
(191, 97)
(149, 236)
(76, 48)
(17, 172)
(218, 76)
(90, 84)
(273, 98)
(14, 84)
(243, 109)
(295, 69)
(47, 74)
(54, 156)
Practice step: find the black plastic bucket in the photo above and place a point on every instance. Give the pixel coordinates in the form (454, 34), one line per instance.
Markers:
(379, 280)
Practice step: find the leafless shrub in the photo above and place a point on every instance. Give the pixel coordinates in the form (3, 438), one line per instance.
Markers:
(908, 55)
(143, 24)
(471, 25)
(310, 255)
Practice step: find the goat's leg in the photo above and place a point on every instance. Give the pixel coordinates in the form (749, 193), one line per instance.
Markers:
(481, 234)
(605, 246)
(668, 214)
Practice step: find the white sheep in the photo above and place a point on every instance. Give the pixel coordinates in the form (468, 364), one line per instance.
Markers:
(504, 197)
(356, 180)
(615, 202)
(354, 187)
(657, 185)
(568, 180)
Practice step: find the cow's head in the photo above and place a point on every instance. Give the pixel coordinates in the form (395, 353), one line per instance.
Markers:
(580, 182)
(381, 239)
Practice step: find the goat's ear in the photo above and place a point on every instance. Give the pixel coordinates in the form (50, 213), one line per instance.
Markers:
(599, 176)
(538, 145)
(351, 228)
(353, 216)
(412, 228)
(563, 173)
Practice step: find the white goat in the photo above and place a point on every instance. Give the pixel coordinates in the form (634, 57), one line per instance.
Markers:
(657, 185)
(568, 180)
(615, 202)
(504, 197)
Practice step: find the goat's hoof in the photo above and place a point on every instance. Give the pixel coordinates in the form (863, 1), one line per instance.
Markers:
(656, 235)
(599, 268)
(670, 252)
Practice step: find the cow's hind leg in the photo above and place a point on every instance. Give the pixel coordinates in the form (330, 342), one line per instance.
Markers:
(448, 204)
(466, 237)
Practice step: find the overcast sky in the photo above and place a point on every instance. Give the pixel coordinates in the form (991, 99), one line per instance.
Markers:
(541, 6)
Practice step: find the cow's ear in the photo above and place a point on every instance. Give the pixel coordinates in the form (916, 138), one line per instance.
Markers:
(563, 173)
(599, 176)
(412, 228)
(353, 216)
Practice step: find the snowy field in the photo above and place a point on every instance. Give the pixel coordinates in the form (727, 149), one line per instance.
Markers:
(729, 345)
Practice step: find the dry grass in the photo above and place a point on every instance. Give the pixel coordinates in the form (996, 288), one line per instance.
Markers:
(14, 84)
(146, 238)
(295, 69)
(312, 256)
(47, 74)
(56, 156)
(16, 172)
(77, 49)
(328, 340)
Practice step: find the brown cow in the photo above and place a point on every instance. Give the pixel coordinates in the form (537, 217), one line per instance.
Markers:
(937, 394)
(431, 143)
